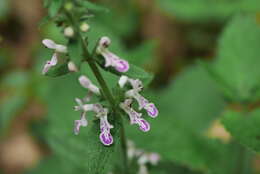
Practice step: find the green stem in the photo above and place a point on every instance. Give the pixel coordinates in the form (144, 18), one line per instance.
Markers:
(104, 87)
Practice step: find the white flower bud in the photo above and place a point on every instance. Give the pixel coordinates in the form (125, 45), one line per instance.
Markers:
(84, 27)
(72, 67)
(69, 32)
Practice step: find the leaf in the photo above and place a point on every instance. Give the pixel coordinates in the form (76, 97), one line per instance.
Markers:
(186, 109)
(84, 150)
(9, 108)
(92, 6)
(75, 51)
(207, 10)
(238, 58)
(244, 127)
(58, 70)
(55, 7)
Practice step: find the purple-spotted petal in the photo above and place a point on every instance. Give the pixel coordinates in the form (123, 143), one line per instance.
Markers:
(106, 138)
(151, 110)
(50, 63)
(143, 125)
(122, 66)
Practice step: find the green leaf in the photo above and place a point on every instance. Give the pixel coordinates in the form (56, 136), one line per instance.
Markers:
(207, 10)
(55, 7)
(75, 51)
(185, 112)
(84, 150)
(91, 6)
(238, 58)
(244, 127)
(58, 70)
(9, 108)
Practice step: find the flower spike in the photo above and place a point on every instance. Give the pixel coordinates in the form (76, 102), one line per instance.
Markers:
(86, 83)
(135, 117)
(111, 59)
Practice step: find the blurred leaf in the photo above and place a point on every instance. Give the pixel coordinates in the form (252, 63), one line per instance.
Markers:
(85, 150)
(75, 51)
(58, 70)
(9, 108)
(244, 126)
(91, 6)
(54, 7)
(4, 7)
(207, 10)
(185, 111)
(238, 58)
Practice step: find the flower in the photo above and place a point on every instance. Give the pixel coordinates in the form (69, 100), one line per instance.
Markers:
(143, 158)
(102, 113)
(111, 59)
(78, 123)
(50, 63)
(135, 117)
(57, 49)
(86, 83)
(137, 86)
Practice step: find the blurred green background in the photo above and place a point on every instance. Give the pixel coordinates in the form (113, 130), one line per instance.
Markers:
(205, 57)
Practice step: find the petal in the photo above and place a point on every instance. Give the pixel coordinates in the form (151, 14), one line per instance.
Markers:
(122, 81)
(106, 138)
(86, 83)
(151, 110)
(104, 42)
(49, 43)
(54, 59)
(121, 65)
(78, 123)
(143, 125)
(46, 67)
(61, 48)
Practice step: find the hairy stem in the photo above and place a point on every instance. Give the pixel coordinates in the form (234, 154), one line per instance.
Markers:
(106, 92)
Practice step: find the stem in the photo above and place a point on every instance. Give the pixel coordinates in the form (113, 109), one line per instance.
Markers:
(108, 95)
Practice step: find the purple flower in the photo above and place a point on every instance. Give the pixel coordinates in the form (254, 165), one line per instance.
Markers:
(105, 135)
(111, 59)
(135, 117)
(143, 103)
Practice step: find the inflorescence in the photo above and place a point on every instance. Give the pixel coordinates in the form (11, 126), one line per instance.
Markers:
(101, 112)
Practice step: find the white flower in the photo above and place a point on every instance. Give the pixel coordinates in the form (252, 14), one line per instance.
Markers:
(50, 63)
(111, 59)
(86, 83)
(57, 49)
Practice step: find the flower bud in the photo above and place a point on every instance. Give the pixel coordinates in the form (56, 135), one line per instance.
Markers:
(69, 32)
(84, 27)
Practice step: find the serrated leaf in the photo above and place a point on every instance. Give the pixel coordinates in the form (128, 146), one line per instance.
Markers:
(244, 127)
(75, 51)
(91, 6)
(58, 70)
(238, 58)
